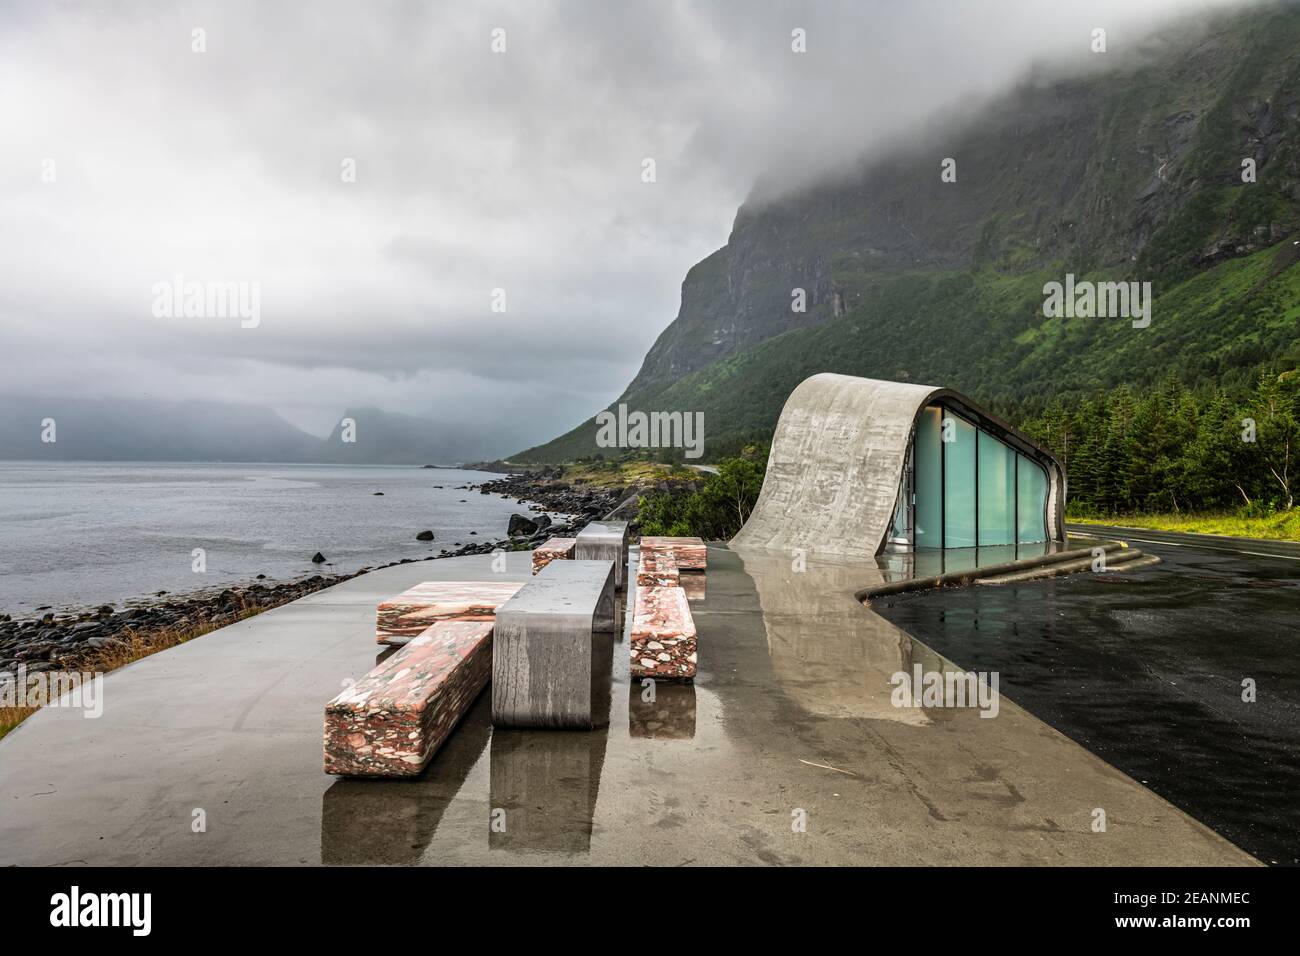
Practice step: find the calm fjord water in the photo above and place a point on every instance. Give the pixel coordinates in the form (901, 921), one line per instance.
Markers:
(80, 533)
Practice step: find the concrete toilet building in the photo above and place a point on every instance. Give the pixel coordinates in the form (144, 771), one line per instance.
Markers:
(861, 466)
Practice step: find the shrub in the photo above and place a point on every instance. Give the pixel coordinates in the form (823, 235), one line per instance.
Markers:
(717, 510)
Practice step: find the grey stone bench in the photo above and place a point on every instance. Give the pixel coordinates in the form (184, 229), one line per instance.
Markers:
(546, 638)
(605, 541)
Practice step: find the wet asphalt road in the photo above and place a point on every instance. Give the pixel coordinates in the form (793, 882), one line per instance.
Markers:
(1145, 669)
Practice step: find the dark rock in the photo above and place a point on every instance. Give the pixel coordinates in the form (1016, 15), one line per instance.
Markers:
(378, 494)
(520, 525)
(318, 558)
(424, 536)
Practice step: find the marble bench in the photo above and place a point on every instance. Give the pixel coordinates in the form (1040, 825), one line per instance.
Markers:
(403, 617)
(392, 721)
(663, 635)
(690, 553)
(554, 549)
(605, 541)
(657, 569)
(547, 638)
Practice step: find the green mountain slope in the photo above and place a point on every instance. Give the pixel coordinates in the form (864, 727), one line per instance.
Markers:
(1131, 172)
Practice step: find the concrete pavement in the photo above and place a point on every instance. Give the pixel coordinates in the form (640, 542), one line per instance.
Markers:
(789, 722)
(1149, 669)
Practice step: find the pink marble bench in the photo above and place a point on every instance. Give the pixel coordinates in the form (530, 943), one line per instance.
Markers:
(690, 553)
(392, 721)
(555, 549)
(657, 569)
(403, 617)
(663, 635)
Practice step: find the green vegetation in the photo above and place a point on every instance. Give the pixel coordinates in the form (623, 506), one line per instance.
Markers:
(717, 510)
(984, 333)
(628, 469)
(1283, 526)
(1172, 449)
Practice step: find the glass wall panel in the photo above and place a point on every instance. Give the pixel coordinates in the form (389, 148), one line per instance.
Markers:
(959, 483)
(929, 481)
(1031, 503)
(997, 491)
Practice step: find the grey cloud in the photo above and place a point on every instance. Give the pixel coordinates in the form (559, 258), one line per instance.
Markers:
(475, 171)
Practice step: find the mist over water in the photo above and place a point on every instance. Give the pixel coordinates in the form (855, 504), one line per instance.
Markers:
(77, 534)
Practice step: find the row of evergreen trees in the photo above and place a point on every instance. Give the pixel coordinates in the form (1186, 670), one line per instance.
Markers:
(1177, 449)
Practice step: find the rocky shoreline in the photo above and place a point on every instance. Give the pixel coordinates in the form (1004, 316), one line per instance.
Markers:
(93, 639)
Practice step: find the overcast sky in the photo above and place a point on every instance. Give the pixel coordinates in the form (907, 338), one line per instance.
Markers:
(475, 170)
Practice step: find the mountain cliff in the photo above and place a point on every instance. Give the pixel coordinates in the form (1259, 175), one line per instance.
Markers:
(1134, 169)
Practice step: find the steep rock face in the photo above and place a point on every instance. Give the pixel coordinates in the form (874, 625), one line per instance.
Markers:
(1133, 169)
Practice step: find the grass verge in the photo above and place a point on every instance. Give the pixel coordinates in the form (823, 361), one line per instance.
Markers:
(1283, 526)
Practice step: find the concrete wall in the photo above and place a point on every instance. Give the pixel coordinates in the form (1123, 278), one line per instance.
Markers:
(837, 459)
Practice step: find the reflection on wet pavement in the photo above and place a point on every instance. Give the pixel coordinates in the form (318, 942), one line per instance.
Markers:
(663, 710)
(383, 822)
(823, 654)
(1146, 670)
(546, 781)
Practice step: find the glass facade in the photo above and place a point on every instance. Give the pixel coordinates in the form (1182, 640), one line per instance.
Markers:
(1031, 501)
(928, 514)
(997, 491)
(973, 489)
(958, 482)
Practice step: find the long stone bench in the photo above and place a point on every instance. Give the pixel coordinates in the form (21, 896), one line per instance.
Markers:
(605, 541)
(546, 636)
(691, 554)
(392, 721)
(657, 569)
(554, 549)
(410, 613)
(663, 644)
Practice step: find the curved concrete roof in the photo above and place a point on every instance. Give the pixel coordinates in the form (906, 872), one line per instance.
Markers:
(837, 459)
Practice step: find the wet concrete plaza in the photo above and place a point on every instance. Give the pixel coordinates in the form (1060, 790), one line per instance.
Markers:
(787, 750)
(1146, 670)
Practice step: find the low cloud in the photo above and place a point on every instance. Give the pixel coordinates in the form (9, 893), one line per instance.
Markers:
(475, 171)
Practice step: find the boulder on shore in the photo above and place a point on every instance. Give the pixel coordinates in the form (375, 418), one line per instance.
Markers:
(521, 525)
